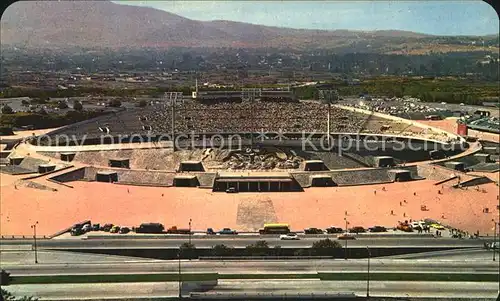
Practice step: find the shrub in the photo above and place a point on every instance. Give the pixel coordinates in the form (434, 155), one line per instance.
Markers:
(62, 105)
(222, 250)
(4, 278)
(6, 109)
(115, 103)
(260, 248)
(325, 247)
(77, 106)
(187, 250)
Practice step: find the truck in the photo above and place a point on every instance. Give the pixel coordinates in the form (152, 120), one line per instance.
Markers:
(154, 228)
(175, 230)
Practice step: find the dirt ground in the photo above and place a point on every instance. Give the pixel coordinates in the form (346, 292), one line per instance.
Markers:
(316, 207)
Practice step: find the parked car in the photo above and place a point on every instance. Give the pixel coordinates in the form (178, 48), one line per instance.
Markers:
(124, 230)
(377, 229)
(357, 230)
(96, 227)
(289, 236)
(346, 236)
(76, 231)
(227, 231)
(437, 226)
(333, 230)
(175, 230)
(210, 231)
(313, 231)
(115, 229)
(86, 228)
(231, 190)
(107, 227)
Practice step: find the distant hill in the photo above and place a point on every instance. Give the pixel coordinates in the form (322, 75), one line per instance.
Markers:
(53, 24)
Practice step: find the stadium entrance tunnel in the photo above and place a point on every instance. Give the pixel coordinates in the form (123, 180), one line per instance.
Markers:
(67, 157)
(106, 176)
(314, 165)
(186, 181)
(119, 163)
(400, 175)
(248, 184)
(322, 181)
(191, 166)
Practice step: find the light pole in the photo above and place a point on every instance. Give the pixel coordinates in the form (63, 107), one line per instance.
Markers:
(345, 252)
(368, 274)
(494, 238)
(34, 238)
(190, 220)
(180, 274)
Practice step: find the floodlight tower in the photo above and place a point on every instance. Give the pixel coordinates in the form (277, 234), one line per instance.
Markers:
(173, 98)
(328, 97)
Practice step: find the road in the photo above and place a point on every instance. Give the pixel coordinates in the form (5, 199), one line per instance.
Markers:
(289, 266)
(377, 288)
(456, 254)
(240, 242)
(309, 286)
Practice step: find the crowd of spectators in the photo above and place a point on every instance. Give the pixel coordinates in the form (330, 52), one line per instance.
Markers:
(231, 117)
(253, 117)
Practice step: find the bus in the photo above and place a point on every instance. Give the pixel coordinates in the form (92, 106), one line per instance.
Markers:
(155, 228)
(275, 229)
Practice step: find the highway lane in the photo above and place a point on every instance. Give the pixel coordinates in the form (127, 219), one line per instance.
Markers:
(97, 291)
(84, 291)
(455, 254)
(243, 242)
(377, 288)
(49, 256)
(291, 266)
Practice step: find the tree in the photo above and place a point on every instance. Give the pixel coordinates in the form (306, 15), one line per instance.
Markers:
(142, 103)
(325, 247)
(6, 109)
(62, 105)
(221, 250)
(260, 248)
(77, 106)
(187, 250)
(115, 103)
(25, 102)
(4, 278)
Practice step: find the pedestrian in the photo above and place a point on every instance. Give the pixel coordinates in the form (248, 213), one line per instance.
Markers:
(400, 203)
(15, 187)
(404, 214)
(128, 190)
(439, 192)
(414, 193)
(162, 194)
(375, 192)
(405, 201)
(383, 188)
(392, 212)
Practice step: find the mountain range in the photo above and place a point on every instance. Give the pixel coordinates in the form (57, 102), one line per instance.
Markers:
(104, 24)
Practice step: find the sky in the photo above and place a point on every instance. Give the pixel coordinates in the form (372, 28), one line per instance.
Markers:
(438, 17)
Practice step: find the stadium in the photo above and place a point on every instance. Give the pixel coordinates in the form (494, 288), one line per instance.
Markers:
(213, 143)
